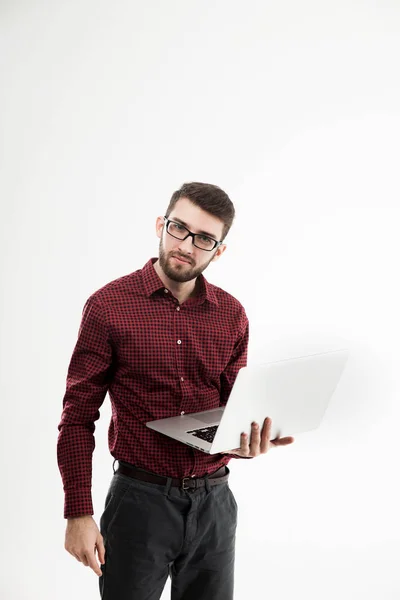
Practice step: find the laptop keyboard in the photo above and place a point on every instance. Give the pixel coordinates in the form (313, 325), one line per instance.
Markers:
(205, 433)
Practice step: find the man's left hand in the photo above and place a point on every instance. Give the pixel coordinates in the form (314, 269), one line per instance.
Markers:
(259, 444)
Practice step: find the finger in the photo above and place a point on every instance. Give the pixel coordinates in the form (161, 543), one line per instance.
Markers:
(244, 444)
(84, 560)
(76, 556)
(93, 563)
(265, 435)
(101, 550)
(255, 439)
(283, 441)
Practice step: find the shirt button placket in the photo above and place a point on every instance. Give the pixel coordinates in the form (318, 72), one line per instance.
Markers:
(179, 342)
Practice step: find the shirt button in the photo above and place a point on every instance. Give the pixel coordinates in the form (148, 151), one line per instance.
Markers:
(179, 342)
(182, 379)
(166, 291)
(183, 412)
(178, 308)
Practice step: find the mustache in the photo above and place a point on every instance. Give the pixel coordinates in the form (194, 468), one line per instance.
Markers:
(182, 258)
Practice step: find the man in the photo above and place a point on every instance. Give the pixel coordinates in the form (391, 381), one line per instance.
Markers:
(162, 341)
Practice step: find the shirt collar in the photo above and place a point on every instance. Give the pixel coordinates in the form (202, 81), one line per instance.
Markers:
(152, 283)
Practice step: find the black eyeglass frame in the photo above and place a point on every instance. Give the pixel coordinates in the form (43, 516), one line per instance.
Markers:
(192, 235)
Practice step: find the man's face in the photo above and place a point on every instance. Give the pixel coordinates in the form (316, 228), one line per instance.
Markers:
(197, 221)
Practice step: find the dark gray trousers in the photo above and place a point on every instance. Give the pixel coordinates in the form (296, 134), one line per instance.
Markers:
(152, 532)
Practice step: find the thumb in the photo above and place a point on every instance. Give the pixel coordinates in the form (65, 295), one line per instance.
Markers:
(100, 549)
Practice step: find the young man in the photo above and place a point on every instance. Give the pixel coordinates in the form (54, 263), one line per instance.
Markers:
(162, 341)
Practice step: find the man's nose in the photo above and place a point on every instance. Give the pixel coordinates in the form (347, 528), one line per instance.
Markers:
(186, 246)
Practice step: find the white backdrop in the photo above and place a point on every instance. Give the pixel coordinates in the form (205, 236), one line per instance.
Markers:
(293, 109)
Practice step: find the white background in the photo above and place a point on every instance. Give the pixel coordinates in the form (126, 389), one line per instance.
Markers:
(293, 109)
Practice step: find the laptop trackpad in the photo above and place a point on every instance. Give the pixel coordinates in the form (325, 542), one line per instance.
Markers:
(208, 417)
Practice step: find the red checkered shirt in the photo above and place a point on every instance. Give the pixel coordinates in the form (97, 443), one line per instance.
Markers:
(156, 358)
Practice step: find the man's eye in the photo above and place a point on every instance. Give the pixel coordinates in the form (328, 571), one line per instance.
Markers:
(205, 239)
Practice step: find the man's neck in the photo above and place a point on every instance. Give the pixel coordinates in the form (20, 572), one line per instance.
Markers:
(181, 291)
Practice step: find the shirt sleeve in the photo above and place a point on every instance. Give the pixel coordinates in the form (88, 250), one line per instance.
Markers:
(237, 361)
(87, 384)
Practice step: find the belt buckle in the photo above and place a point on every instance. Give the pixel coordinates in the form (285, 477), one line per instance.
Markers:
(183, 483)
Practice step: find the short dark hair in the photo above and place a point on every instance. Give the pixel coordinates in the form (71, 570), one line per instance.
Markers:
(208, 197)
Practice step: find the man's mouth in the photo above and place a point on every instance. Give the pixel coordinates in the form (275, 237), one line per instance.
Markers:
(181, 260)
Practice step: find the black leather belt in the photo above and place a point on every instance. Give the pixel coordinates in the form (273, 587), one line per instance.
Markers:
(220, 476)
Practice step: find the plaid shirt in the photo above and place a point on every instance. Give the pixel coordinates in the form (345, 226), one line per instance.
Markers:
(156, 358)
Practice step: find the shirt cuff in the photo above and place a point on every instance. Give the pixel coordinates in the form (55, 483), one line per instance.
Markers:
(77, 503)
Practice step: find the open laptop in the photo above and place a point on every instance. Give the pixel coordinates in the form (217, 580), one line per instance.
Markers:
(294, 392)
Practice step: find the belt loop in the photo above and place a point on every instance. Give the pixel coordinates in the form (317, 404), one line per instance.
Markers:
(168, 486)
(207, 484)
(113, 465)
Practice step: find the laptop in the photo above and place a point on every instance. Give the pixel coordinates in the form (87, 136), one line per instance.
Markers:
(294, 392)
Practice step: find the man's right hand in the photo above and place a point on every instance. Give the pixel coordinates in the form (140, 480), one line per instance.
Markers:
(82, 537)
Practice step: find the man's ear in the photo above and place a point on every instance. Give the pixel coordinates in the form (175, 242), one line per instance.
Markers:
(221, 249)
(159, 226)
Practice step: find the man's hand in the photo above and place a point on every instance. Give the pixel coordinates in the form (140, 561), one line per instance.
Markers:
(259, 444)
(82, 539)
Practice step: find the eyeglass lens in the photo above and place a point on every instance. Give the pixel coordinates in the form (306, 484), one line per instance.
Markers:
(180, 232)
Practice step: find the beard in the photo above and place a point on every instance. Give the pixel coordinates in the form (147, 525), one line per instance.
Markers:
(177, 272)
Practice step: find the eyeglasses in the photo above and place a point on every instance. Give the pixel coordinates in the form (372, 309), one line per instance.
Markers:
(178, 231)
